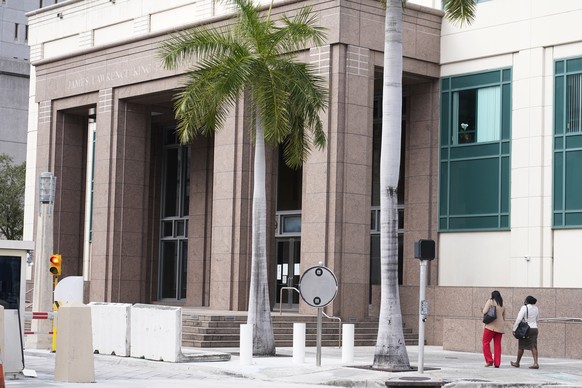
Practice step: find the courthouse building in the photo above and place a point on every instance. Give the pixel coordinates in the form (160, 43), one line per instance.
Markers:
(491, 154)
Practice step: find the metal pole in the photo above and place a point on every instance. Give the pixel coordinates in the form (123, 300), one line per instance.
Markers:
(422, 313)
(318, 352)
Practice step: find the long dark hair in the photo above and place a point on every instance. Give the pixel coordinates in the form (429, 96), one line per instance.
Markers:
(496, 296)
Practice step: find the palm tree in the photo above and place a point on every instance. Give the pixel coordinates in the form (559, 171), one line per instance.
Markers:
(255, 56)
(390, 351)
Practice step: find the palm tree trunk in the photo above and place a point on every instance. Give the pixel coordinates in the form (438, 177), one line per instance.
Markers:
(390, 352)
(259, 314)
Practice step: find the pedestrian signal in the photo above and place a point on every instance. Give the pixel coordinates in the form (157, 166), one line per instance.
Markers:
(55, 264)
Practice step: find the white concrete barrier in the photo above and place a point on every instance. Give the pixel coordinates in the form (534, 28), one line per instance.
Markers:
(156, 332)
(74, 357)
(111, 328)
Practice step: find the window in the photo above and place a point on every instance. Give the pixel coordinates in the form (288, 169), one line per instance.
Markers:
(567, 195)
(16, 27)
(474, 151)
(26, 33)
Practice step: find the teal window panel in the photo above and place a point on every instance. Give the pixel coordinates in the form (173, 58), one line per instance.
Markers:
(573, 180)
(445, 119)
(559, 67)
(443, 225)
(477, 187)
(574, 141)
(505, 148)
(444, 153)
(504, 222)
(445, 84)
(558, 219)
(574, 65)
(474, 223)
(558, 181)
(506, 77)
(506, 112)
(559, 105)
(475, 150)
(573, 219)
(559, 143)
(504, 192)
(476, 80)
(443, 192)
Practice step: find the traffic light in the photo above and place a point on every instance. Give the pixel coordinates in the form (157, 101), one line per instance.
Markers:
(55, 264)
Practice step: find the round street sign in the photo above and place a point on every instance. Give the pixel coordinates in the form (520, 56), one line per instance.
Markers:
(318, 286)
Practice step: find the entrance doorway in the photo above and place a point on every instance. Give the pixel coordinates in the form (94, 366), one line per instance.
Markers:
(288, 272)
(173, 267)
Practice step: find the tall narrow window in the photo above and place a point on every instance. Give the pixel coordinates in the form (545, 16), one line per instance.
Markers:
(16, 28)
(567, 195)
(26, 33)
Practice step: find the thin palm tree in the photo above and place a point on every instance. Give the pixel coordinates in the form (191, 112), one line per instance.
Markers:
(254, 56)
(390, 351)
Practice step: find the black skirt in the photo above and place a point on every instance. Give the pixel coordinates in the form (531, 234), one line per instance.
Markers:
(530, 341)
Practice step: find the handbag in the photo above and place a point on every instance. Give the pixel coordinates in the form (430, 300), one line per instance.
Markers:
(522, 328)
(490, 316)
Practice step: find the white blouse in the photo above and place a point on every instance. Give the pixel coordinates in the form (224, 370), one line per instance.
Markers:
(530, 313)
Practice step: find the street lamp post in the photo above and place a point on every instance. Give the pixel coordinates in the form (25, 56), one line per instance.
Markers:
(42, 299)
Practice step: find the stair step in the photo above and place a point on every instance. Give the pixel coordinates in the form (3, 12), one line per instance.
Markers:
(221, 331)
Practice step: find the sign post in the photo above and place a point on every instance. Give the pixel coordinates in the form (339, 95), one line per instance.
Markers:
(318, 288)
(424, 250)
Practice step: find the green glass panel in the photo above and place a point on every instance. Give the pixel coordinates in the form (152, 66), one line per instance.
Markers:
(474, 150)
(558, 180)
(506, 75)
(443, 195)
(443, 224)
(476, 80)
(444, 153)
(474, 187)
(574, 65)
(573, 181)
(574, 141)
(504, 222)
(445, 119)
(506, 112)
(505, 168)
(558, 219)
(467, 223)
(559, 143)
(446, 84)
(505, 148)
(559, 106)
(573, 219)
(559, 67)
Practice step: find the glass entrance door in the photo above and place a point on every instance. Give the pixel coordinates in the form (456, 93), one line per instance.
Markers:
(173, 261)
(288, 274)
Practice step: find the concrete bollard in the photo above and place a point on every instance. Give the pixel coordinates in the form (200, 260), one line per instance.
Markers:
(246, 344)
(298, 343)
(74, 357)
(348, 343)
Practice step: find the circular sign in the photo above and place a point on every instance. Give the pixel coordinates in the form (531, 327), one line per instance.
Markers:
(318, 286)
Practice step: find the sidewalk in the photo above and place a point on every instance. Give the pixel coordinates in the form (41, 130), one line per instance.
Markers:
(453, 369)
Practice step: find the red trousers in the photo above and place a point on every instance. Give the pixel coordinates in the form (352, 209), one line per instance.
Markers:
(489, 335)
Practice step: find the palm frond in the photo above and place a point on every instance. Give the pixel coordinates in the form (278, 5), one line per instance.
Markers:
(460, 11)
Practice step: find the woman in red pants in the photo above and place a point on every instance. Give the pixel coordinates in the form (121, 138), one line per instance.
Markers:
(493, 331)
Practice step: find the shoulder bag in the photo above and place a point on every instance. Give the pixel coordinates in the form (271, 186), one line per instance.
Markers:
(490, 316)
(523, 327)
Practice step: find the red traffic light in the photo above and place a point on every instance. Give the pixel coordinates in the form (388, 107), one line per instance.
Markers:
(55, 264)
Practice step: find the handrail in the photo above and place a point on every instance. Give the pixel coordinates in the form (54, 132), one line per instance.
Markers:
(281, 297)
(339, 338)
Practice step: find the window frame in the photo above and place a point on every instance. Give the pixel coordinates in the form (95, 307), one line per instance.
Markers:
(458, 161)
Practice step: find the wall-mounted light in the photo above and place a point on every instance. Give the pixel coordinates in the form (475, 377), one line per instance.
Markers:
(60, 15)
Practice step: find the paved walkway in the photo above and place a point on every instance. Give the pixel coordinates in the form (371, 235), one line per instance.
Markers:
(454, 369)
